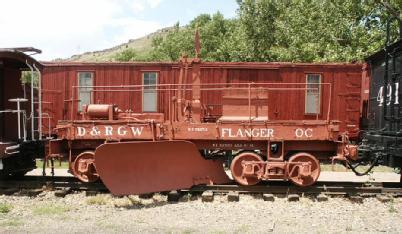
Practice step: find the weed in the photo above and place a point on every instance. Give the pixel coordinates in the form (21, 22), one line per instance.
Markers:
(242, 228)
(11, 223)
(135, 201)
(97, 200)
(392, 208)
(57, 164)
(5, 208)
(188, 230)
(220, 232)
(49, 210)
(122, 202)
(107, 225)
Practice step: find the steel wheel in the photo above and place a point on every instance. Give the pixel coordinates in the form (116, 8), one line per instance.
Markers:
(298, 174)
(237, 168)
(84, 167)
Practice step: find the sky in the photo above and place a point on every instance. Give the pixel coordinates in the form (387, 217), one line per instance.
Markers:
(62, 28)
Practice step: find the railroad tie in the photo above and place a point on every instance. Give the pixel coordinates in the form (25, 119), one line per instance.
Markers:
(384, 198)
(293, 197)
(173, 196)
(233, 196)
(268, 197)
(207, 196)
(322, 197)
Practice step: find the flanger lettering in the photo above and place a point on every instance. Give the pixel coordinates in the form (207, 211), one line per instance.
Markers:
(299, 132)
(95, 131)
(109, 131)
(81, 131)
(241, 133)
(121, 131)
(137, 131)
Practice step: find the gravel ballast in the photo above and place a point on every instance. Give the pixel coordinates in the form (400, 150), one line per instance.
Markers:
(77, 213)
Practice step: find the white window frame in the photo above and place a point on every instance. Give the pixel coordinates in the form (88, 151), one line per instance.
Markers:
(148, 88)
(306, 99)
(84, 90)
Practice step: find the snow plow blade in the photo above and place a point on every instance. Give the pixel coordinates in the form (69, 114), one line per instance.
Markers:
(145, 167)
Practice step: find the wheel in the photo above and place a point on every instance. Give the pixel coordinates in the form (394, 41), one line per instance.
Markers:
(84, 167)
(237, 168)
(303, 169)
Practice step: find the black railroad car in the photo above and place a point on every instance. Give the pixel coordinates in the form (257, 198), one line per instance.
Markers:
(383, 130)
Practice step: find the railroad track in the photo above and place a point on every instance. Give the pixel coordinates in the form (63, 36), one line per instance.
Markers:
(50, 182)
(65, 183)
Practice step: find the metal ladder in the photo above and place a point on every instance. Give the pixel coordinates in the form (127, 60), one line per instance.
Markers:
(32, 116)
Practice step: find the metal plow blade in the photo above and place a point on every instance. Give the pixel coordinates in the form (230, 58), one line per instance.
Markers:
(144, 167)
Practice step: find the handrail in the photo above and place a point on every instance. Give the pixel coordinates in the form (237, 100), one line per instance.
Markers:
(40, 100)
(207, 87)
(32, 102)
(204, 84)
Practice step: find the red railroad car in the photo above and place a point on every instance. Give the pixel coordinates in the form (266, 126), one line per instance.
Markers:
(158, 123)
(62, 99)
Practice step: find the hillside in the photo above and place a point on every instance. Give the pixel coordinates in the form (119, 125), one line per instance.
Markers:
(140, 45)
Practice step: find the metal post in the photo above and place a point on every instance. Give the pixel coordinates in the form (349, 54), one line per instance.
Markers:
(32, 104)
(329, 102)
(249, 102)
(40, 100)
(19, 119)
(317, 98)
(24, 123)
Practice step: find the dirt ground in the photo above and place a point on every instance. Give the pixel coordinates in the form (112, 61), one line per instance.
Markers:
(77, 213)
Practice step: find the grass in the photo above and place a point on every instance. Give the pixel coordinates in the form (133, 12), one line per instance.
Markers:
(57, 164)
(5, 208)
(242, 228)
(188, 230)
(392, 208)
(11, 223)
(111, 226)
(97, 200)
(50, 210)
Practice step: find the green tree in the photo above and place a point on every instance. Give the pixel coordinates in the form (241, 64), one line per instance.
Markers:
(26, 78)
(126, 55)
(217, 33)
(313, 30)
(283, 30)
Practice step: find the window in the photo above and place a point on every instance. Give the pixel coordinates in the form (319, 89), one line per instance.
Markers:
(313, 94)
(85, 93)
(149, 95)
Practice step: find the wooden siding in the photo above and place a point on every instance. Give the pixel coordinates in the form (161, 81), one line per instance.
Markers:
(345, 80)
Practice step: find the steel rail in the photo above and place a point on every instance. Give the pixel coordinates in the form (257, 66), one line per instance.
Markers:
(272, 187)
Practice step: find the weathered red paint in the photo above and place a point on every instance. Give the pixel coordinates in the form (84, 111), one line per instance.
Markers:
(145, 167)
(346, 80)
(303, 169)
(208, 106)
(84, 167)
(247, 174)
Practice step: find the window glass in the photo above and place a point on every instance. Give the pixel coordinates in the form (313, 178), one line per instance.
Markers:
(313, 94)
(84, 93)
(150, 95)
